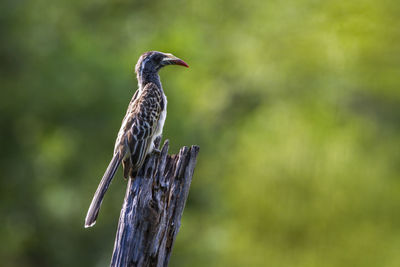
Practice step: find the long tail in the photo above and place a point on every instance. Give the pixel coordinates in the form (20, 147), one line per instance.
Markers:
(101, 190)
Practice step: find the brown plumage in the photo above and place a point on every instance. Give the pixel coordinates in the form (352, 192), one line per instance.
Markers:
(142, 124)
(140, 127)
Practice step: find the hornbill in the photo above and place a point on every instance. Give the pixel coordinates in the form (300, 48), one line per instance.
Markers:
(141, 126)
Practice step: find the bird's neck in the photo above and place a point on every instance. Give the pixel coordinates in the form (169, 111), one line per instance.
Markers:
(148, 77)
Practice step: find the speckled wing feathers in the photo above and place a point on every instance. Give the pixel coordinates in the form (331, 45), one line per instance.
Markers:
(139, 126)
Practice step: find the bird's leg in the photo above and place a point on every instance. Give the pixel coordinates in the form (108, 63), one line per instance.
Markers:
(127, 165)
(157, 142)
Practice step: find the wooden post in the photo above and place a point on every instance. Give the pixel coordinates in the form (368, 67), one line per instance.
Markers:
(151, 213)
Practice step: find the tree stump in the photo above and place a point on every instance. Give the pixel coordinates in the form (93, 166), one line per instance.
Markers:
(151, 213)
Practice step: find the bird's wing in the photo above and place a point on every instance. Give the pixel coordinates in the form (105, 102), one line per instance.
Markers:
(142, 124)
(101, 190)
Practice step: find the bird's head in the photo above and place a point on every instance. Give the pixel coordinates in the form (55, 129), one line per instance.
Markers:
(153, 61)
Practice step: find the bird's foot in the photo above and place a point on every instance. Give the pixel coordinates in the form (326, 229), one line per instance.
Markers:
(157, 142)
(157, 151)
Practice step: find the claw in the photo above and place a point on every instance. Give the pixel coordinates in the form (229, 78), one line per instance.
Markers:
(157, 142)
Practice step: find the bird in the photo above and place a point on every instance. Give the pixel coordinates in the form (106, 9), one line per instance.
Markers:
(141, 126)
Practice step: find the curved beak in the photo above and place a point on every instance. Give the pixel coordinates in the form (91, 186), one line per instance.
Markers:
(173, 60)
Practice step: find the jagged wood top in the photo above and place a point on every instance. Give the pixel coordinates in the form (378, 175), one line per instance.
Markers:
(152, 210)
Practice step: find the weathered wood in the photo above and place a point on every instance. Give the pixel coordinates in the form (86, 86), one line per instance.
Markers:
(151, 213)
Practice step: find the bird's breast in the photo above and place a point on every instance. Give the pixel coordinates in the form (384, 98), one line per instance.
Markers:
(161, 120)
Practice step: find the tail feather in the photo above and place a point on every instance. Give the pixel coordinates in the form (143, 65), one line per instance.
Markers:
(101, 190)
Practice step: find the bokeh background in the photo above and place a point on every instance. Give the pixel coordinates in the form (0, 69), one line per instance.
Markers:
(295, 105)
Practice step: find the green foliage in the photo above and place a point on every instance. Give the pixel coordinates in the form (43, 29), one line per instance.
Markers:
(295, 105)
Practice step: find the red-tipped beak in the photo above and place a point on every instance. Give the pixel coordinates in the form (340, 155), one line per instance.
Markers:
(180, 62)
(173, 60)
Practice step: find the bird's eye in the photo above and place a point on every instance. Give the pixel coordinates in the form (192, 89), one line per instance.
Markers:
(158, 58)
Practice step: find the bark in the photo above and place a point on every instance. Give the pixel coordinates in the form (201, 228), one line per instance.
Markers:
(151, 213)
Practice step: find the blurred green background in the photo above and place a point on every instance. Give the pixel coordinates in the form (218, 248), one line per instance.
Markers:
(295, 105)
